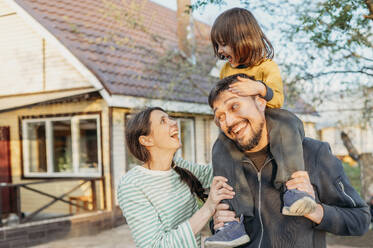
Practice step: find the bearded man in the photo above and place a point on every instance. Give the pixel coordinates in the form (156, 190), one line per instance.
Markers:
(243, 153)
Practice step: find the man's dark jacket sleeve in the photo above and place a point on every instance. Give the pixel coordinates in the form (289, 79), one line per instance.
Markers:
(345, 213)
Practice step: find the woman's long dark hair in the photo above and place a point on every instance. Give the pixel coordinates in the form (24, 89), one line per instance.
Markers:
(140, 125)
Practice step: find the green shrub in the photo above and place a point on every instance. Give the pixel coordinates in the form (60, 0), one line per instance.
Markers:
(353, 173)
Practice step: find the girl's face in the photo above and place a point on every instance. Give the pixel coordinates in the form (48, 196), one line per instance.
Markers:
(164, 131)
(227, 52)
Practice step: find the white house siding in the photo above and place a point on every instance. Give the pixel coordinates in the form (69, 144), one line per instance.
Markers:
(361, 138)
(4, 8)
(310, 130)
(213, 135)
(118, 146)
(59, 73)
(214, 131)
(21, 57)
(200, 140)
(22, 68)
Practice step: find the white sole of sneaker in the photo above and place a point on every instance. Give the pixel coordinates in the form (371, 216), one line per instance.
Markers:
(301, 207)
(240, 241)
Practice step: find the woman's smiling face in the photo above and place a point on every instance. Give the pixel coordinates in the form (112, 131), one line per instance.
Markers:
(164, 131)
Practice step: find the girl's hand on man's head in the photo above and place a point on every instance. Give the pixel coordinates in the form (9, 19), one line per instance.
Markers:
(247, 87)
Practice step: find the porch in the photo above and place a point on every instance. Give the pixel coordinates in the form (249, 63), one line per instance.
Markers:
(84, 214)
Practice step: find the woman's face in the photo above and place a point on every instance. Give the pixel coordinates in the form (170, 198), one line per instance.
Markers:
(164, 131)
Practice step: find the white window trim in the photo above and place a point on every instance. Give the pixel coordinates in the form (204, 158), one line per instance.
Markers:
(49, 143)
(178, 153)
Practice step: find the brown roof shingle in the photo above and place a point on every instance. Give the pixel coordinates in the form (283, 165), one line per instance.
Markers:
(120, 41)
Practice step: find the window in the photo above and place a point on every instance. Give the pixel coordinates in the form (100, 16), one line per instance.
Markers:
(36, 148)
(186, 135)
(62, 146)
(187, 138)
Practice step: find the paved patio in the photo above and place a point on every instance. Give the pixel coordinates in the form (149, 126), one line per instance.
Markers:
(115, 238)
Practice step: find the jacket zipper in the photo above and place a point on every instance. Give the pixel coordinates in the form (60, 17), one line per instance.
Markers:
(259, 176)
(260, 205)
(343, 191)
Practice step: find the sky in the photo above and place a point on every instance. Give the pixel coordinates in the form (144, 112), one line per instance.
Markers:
(208, 15)
(211, 12)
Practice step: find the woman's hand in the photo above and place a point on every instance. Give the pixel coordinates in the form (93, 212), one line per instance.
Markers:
(219, 190)
(300, 180)
(222, 215)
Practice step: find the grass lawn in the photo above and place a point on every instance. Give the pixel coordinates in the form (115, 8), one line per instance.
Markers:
(353, 173)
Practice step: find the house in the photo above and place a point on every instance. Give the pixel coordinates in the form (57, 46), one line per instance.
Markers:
(348, 111)
(72, 73)
(307, 113)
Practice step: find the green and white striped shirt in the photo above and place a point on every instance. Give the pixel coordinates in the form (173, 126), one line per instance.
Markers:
(157, 205)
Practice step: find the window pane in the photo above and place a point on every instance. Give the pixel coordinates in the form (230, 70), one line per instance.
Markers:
(88, 151)
(187, 138)
(62, 147)
(37, 147)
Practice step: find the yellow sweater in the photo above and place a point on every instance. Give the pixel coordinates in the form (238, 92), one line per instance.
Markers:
(268, 72)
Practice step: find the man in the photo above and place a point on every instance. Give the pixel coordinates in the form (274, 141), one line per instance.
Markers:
(244, 144)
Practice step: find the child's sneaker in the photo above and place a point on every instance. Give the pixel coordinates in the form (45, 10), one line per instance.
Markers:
(298, 203)
(231, 235)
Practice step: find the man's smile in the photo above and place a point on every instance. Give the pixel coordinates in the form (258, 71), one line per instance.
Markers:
(238, 129)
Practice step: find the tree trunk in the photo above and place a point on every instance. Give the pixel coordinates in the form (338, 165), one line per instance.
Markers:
(366, 170)
(349, 146)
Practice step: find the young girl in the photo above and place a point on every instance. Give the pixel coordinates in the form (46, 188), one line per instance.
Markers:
(237, 38)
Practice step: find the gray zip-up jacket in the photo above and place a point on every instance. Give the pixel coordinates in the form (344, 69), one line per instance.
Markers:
(345, 213)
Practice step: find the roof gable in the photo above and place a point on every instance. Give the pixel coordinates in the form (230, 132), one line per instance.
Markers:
(119, 41)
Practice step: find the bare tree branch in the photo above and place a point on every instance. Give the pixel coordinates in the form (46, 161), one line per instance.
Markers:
(311, 76)
(369, 4)
(360, 56)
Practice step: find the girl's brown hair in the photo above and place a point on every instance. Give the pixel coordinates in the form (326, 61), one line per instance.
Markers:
(139, 125)
(239, 29)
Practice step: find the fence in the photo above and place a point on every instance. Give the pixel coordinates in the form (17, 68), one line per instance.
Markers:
(72, 201)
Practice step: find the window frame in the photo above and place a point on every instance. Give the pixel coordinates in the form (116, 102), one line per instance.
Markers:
(193, 131)
(74, 124)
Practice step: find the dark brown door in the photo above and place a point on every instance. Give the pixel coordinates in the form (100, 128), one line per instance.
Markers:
(5, 176)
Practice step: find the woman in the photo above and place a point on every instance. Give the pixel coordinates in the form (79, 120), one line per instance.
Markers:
(157, 198)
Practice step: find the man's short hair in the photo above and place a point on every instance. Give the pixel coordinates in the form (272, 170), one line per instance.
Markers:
(223, 85)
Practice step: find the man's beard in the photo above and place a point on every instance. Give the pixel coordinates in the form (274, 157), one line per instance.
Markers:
(254, 141)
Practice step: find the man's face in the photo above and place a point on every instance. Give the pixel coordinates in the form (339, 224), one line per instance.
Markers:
(240, 118)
